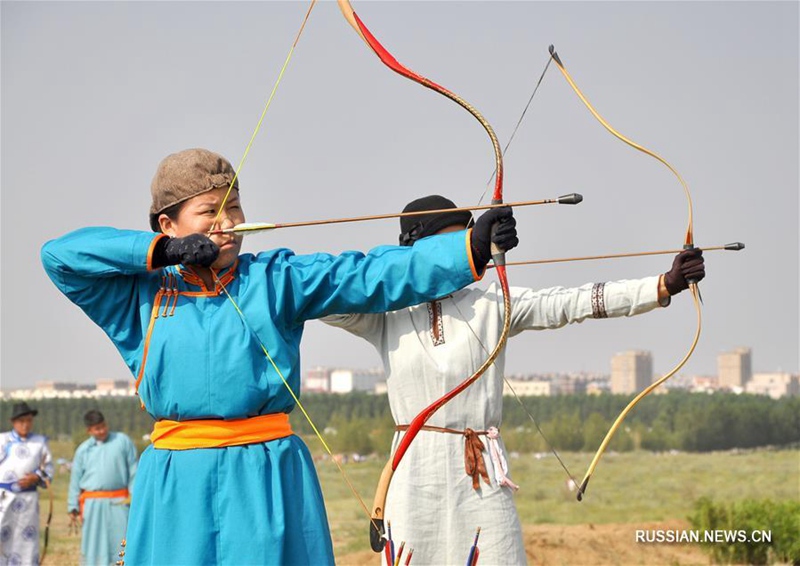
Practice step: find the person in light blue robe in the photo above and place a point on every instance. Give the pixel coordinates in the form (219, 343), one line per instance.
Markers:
(197, 357)
(105, 462)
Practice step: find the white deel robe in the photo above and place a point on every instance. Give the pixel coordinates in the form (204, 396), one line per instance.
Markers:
(429, 349)
(19, 509)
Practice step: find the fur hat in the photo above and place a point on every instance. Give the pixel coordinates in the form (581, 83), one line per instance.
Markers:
(183, 175)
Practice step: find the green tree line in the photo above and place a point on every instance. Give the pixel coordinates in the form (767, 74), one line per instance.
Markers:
(778, 519)
(359, 422)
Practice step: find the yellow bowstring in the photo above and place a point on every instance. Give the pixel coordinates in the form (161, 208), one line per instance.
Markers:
(263, 113)
(292, 393)
(230, 298)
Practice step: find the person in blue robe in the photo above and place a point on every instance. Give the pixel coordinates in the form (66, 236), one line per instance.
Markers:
(213, 338)
(101, 480)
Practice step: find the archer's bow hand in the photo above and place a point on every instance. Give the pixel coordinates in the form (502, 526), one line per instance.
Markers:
(687, 266)
(504, 235)
(195, 249)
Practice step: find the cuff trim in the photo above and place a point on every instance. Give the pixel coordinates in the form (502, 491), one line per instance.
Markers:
(475, 275)
(599, 301)
(151, 249)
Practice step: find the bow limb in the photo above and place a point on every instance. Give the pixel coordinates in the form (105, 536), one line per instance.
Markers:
(376, 538)
(688, 244)
(646, 391)
(689, 240)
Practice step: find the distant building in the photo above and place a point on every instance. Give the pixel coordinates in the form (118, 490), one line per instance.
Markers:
(531, 388)
(347, 380)
(72, 390)
(548, 384)
(631, 371)
(114, 388)
(775, 385)
(56, 386)
(597, 387)
(317, 380)
(735, 369)
(704, 384)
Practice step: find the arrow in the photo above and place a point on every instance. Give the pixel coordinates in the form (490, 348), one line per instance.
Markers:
(252, 227)
(734, 246)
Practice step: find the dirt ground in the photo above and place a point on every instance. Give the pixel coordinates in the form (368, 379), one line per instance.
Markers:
(555, 545)
(589, 545)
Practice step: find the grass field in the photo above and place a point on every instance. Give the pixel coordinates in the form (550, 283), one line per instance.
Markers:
(628, 491)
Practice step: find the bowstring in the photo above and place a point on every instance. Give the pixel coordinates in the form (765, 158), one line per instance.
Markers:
(514, 132)
(294, 395)
(263, 113)
(521, 404)
(472, 330)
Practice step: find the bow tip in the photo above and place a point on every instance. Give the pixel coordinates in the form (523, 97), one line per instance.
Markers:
(582, 488)
(377, 539)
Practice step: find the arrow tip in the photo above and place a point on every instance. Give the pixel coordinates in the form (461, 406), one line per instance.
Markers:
(573, 198)
(735, 246)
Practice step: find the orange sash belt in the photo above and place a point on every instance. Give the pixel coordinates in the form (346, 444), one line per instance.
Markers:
(213, 433)
(112, 494)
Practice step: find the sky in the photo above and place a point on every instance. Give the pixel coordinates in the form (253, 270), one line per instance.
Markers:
(94, 94)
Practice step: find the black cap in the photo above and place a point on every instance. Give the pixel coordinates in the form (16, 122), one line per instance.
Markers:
(22, 409)
(412, 228)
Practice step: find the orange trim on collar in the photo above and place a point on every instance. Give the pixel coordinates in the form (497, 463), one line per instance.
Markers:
(218, 433)
(191, 278)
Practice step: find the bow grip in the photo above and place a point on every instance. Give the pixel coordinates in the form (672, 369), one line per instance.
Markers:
(690, 247)
(498, 254)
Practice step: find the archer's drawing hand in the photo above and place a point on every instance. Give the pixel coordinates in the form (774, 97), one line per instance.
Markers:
(194, 249)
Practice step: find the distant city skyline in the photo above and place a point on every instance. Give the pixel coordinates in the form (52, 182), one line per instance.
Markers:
(728, 355)
(628, 376)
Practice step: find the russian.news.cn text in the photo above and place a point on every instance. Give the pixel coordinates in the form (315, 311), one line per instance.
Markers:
(697, 536)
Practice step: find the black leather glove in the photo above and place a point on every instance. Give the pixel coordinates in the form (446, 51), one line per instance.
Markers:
(688, 264)
(504, 236)
(194, 249)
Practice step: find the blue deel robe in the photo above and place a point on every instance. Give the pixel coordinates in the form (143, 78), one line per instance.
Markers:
(258, 503)
(102, 466)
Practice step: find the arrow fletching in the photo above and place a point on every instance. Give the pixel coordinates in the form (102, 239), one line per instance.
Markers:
(246, 227)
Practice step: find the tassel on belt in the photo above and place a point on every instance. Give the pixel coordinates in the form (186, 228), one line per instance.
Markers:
(474, 464)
